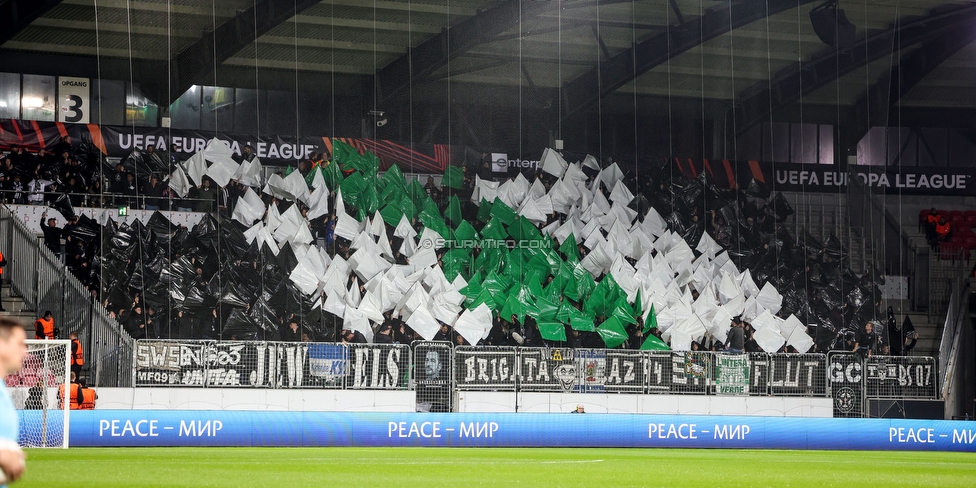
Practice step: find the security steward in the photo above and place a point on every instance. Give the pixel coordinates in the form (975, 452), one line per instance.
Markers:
(44, 327)
(74, 393)
(77, 354)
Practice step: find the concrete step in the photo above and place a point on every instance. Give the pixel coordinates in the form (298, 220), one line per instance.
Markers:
(11, 304)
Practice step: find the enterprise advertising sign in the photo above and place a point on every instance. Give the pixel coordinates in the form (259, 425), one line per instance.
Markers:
(111, 428)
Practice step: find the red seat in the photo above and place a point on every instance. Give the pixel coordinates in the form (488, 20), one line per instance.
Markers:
(949, 251)
(944, 213)
(969, 242)
(970, 217)
(955, 214)
(955, 217)
(956, 239)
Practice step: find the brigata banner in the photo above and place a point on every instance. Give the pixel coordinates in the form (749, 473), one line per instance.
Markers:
(157, 428)
(483, 368)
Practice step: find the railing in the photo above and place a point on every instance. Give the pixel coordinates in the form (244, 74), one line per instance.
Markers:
(109, 199)
(41, 280)
(955, 355)
(435, 370)
(881, 231)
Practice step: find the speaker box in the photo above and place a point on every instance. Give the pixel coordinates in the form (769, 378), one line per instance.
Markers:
(832, 27)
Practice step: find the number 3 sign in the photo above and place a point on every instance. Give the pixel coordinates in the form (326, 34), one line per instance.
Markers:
(73, 99)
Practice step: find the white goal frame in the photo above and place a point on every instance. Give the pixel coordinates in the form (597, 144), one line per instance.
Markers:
(41, 349)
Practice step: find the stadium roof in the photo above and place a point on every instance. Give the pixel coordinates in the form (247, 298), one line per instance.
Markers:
(757, 55)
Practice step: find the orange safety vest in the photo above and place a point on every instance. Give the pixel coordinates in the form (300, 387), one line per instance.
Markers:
(1, 267)
(44, 328)
(73, 398)
(78, 358)
(88, 398)
(932, 218)
(943, 229)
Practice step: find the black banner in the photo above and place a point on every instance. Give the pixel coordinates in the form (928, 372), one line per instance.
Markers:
(846, 384)
(678, 372)
(825, 178)
(760, 366)
(798, 375)
(271, 365)
(625, 371)
(378, 366)
(274, 150)
(547, 369)
(492, 369)
(900, 377)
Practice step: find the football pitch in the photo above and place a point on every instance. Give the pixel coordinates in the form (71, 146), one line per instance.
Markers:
(426, 467)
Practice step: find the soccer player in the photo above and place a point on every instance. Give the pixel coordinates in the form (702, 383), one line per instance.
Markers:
(12, 351)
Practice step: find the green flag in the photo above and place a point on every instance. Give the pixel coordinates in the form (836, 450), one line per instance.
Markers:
(465, 232)
(543, 310)
(623, 312)
(484, 211)
(502, 212)
(342, 152)
(582, 323)
(453, 211)
(651, 322)
(310, 177)
(652, 343)
(570, 249)
(519, 300)
(453, 177)
(332, 175)
(612, 332)
(552, 331)
(523, 230)
(391, 214)
(393, 176)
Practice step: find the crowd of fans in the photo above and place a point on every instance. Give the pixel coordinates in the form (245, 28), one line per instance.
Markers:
(745, 222)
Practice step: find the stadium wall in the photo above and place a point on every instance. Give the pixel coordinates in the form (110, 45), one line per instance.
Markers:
(256, 399)
(111, 428)
(313, 400)
(508, 402)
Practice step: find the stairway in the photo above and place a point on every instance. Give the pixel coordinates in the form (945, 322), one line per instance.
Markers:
(15, 309)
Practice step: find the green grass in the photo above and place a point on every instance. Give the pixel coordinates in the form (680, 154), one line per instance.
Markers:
(426, 467)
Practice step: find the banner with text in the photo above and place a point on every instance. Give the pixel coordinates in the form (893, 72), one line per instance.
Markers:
(216, 364)
(158, 428)
(823, 178)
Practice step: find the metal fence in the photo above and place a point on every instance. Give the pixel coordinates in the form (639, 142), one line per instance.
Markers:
(262, 364)
(435, 370)
(40, 279)
(854, 379)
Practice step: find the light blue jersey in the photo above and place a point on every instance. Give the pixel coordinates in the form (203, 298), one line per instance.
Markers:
(9, 424)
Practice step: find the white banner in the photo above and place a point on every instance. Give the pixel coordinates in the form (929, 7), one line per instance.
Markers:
(74, 99)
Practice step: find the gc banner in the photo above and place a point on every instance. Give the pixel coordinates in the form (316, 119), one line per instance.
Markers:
(118, 428)
(846, 384)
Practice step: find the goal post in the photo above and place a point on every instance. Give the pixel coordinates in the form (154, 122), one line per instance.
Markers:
(35, 389)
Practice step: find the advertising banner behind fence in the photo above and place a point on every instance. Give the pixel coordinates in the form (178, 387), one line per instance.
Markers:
(112, 428)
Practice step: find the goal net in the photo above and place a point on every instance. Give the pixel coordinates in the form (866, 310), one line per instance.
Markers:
(35, 390)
